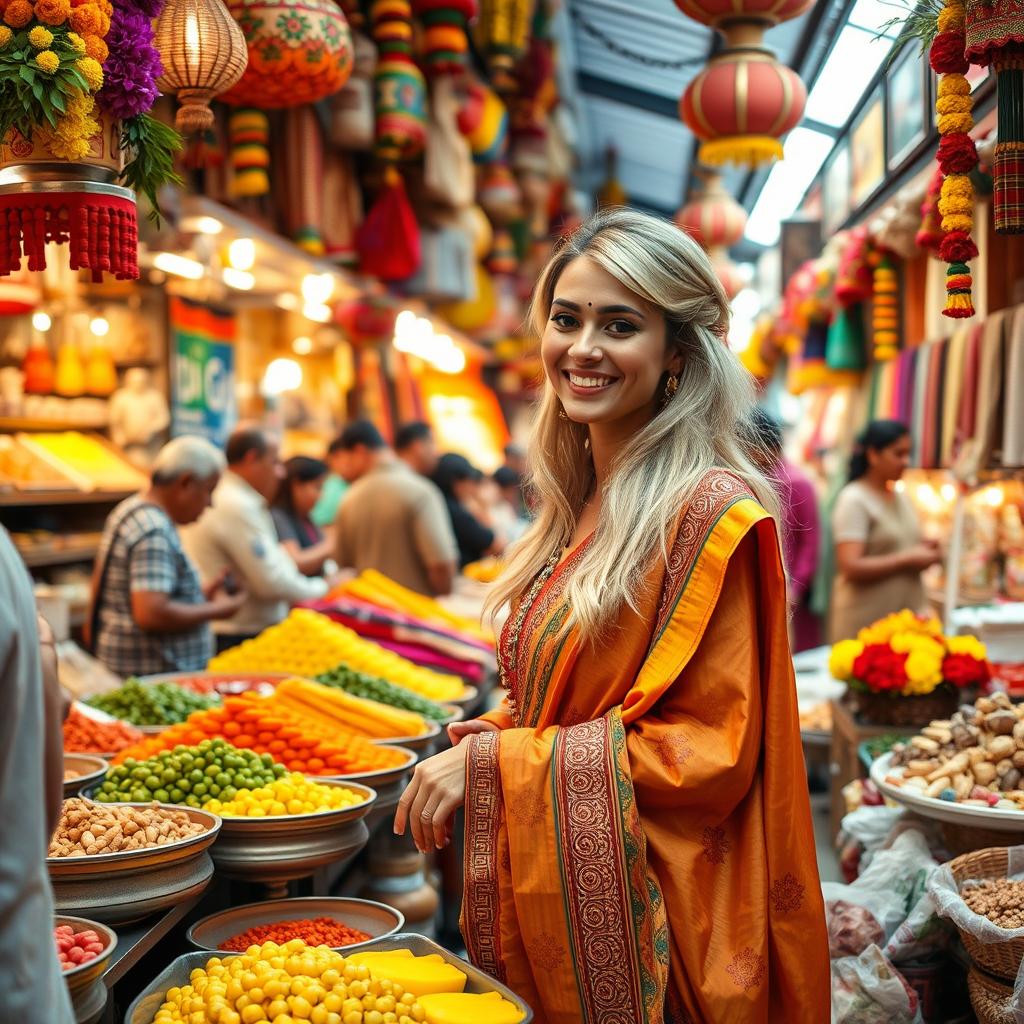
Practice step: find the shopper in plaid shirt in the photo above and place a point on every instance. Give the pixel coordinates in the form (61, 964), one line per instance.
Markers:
(149, 612)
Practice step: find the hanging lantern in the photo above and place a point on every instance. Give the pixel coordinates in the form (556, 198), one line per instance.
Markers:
(19, 294)
(725, 14)
(716, 221)
(444, 34)
(399, 88)
(728, 275)
(995, 38)
(503, 30)
(300, 51)
(203, 53)
(741, 105)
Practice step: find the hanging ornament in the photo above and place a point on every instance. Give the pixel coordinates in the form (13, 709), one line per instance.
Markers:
(388, 240)
(300, 51)
(722, 14)
(302, 179)
(483, 119)
(352, 124)
(353, 11)
(203, 53)
(503, 30)
(729, 276)
(399, 87)
(929, 234)
(741, 105)
(716, 221)
(445, 44)
(885, 312)
(249, 133)
(854, 277)
(612, 192)
(957, 157)
(499, 194)
(502, 259)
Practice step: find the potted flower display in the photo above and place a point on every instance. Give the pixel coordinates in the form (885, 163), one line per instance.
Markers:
(77, 81)
(903, 671)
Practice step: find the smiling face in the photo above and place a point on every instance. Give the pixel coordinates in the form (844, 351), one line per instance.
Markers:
(604, 348)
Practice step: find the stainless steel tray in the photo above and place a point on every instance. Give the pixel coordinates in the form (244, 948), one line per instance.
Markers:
(92, 766)
(376, 919)
(145, 1007)
(117, 888)
(422, 744)
(284, 848)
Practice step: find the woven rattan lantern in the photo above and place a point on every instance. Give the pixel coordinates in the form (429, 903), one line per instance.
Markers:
(203, 53)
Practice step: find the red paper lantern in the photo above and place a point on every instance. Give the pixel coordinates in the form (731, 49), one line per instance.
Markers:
(713, 218)
(722, 13)
(741, 105)
(728, 275)
(300, 51)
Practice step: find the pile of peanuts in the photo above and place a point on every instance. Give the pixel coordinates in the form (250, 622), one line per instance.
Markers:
(976, 757)
(86, 829)
(1000, 900)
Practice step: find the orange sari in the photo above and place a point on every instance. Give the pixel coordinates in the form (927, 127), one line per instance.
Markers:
(639, 846)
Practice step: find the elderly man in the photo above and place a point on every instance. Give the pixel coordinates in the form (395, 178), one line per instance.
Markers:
(237, 536)
(149, 612)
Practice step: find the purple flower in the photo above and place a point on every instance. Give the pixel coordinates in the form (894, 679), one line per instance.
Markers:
(131, 70)
(150, 8)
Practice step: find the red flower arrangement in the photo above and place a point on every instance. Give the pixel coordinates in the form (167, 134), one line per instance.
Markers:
(880, 668)
(963, 670)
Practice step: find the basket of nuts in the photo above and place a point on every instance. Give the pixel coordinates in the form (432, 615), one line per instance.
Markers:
(983, 894)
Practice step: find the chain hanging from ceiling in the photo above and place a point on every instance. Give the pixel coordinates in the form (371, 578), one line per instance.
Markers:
(631, 55)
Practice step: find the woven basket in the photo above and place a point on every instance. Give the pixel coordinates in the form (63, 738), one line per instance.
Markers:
(990, 998)
(960, 839)
(910, 712)
(1003, 959)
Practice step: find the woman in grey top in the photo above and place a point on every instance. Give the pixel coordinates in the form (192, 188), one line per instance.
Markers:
(880, 554)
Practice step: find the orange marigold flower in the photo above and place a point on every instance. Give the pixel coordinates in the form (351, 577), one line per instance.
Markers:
(86, 20)
(53, 12)
(96, 48)
(18, 13)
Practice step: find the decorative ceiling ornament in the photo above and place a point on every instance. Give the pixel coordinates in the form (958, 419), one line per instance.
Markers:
(300, 51)
(203, 53)
(445, 44)
(503, 31)
(716, 221)
(483, 119)
(743, 103)
(995, 38)
(400, 91)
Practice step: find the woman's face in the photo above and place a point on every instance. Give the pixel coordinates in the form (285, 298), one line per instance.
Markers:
(305, 494)
(604, 348)
(889, 463)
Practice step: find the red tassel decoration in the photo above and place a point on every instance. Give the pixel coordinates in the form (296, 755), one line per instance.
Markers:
(388, 240)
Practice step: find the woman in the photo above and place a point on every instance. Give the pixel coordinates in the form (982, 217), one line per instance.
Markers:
(300, 491)
(459, 481)
(638, 835)
(879, 552)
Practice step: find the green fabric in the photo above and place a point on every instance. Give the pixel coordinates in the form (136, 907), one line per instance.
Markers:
(821, 588)
(845, 348)
(326, 509)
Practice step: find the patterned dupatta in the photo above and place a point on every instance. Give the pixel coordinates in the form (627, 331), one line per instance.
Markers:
(638, 839)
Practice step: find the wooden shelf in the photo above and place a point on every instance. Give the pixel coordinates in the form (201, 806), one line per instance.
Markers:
(20, 499)
(59, 556)
(11, 424)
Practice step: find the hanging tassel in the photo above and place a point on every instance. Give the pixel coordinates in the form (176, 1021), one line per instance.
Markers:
(388, 240)
(885, 322)
(250, 157)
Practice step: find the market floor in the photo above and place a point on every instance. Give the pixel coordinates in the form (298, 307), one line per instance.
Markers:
(828, 862)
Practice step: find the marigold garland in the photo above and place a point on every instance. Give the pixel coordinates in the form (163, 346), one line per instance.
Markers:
(885, 322)
(957, 156)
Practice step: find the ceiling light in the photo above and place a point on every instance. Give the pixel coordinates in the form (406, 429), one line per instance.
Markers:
(100, 326)
(180, 266)
(317, 288)
(317, 311)
(287, 300)
(242, 254)
(280, 376)
(302, 346)
(240, 279)
(201, 226)
(41, 321)
(852, 64)
(787, 184)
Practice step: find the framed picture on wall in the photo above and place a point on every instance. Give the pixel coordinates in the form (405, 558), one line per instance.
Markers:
(908, 100)
(836, 189)
(867, 150)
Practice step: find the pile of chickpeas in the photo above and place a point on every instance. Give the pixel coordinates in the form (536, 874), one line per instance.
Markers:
(1000, 900)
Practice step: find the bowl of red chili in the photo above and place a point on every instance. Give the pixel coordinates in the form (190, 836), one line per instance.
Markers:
(343, 924)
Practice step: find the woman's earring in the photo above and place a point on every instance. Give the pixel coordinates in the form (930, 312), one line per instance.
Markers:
(561, 413)
(671, 387)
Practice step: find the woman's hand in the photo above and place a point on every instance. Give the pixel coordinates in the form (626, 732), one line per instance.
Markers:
(437, 791)
(458, 731)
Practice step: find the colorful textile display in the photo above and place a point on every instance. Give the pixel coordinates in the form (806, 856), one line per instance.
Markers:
(957, 157)
(343, 208)
(995, 38)
(1013, 413)
(954, 384)
(249, 133)
(301, 196)
(300, 51)
(399, 86)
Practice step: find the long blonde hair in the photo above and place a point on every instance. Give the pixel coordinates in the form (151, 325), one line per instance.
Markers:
(655, 474)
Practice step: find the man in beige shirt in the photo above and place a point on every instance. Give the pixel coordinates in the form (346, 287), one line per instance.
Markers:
(391, 518)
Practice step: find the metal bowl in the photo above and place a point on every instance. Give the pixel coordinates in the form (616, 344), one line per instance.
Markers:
(119, 888)
(91, 767)
(422, 744)
(469, 697)
(455, 713)
(85, 982)
(376, 919)
(223, 681)
(389, 784)
(176, 974)
(280, 849)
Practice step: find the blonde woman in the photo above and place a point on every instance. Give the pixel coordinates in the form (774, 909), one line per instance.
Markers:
(638, 835)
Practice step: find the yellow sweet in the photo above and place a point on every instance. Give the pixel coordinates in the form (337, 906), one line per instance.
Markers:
(470, 1008)
(293, 794)
(418, 974)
